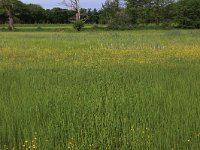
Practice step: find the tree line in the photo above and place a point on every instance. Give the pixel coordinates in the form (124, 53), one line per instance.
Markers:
(33, 13)
(164, 13)
(118, 14)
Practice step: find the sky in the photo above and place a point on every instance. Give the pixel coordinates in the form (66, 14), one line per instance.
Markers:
(56, 3)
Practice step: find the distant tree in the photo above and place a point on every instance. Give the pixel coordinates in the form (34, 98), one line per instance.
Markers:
(3, 16)
(74, 5)
(36, 13)
(158, 7)
(150, 11)
(21, 13)
(109, 10)
(58, 15)
(114, 14)
(121, 21)
(9, 5)
(188, 13)
(93, 16)
(135, 9)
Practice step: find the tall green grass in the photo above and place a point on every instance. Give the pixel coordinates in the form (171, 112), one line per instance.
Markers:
(100, 90)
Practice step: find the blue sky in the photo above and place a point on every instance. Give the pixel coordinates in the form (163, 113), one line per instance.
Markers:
(55, 3)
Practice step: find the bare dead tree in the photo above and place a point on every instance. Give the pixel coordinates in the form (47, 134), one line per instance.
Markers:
(73, 5)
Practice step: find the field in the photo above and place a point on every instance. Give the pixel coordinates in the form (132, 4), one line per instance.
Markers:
(51, 27)
(137, 90)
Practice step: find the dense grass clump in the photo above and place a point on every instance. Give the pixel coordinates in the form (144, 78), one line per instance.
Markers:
(100, 90)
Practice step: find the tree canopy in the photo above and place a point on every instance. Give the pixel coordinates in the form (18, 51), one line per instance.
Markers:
(117, 13)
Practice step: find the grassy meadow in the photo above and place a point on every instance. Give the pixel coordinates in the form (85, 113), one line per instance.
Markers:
(51, 28)
(114, 90)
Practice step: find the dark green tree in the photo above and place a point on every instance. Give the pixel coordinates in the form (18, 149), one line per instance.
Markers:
(109, 10)
(37, 14)
(58, 15)
(3, 16)
(9, 6)
(93, 16)
(150, 11)
(188, 13)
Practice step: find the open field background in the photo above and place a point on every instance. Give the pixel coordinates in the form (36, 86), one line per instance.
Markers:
(69, 27)
(51, 27)
(100, 90)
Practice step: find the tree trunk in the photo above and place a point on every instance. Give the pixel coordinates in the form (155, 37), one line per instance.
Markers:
(78, 13)
(11, 21)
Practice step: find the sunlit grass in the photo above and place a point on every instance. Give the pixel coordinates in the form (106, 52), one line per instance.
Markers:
(100, 90)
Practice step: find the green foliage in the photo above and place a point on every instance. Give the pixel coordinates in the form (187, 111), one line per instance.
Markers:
(151, 11)
(93, 16)
(36, 13)
(108, 12)
(188, 13)
(58, 15)
(78, 25)
(33, 13)
(121, 21)
(139, 13)
(3, 16)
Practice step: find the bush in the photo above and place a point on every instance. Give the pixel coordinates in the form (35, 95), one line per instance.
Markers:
(39, 28)
(78, 25)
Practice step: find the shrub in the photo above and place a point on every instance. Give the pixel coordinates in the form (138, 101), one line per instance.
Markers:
(78, 25)
(39, 28)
